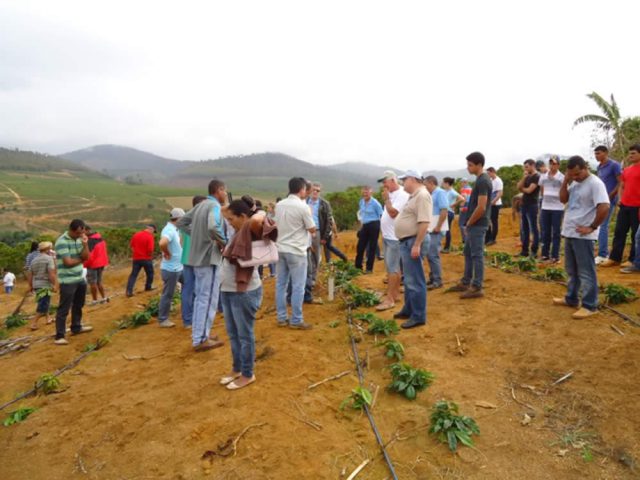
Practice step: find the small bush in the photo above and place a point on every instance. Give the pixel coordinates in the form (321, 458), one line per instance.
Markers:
(361, 297)
(359, 397)
(48, 383)
(153, 307)
(408, 381)
(526, 264)
(450, 427)
(383, 327)
(616, 294)
(140, 318)
(393, 349)
(15, 321)
(18, 416)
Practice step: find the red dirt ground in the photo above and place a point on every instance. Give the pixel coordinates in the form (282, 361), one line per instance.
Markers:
(155, 418)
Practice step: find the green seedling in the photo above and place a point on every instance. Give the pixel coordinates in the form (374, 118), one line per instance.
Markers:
(450, 427)
(361, 297)
(359, 397)
(48, 383)
(393, 349)
(366, 317)
(408, 381)
(153, 307)
(616, 294)
(15, 320)
(334, 324)
(18, 416)
(140, 318)
(383, 327)
(526, 264)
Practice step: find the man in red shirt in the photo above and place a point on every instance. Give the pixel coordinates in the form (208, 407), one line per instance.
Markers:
(142, 247)
(98, 259)
(628, 211)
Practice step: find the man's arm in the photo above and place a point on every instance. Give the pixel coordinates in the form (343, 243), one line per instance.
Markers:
(530, 189)
(184, 223)
(164, 248)
(391, 211)
(212, 227)
(479, 211)
(422, 232)
(442, 217)
(564, 189)
(29, 275)
(602, 211)
(497, 198)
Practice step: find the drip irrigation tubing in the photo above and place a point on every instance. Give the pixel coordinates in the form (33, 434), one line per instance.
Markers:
(385, 454)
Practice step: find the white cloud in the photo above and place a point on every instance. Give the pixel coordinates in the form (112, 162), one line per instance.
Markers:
(409, 84)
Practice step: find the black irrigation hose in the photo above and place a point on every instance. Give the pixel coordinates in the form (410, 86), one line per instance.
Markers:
(366, 407)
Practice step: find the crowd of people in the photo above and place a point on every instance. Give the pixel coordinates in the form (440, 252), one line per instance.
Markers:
(215, 253)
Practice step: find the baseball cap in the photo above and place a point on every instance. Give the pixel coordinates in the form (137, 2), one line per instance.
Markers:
(176, 213)
(410, 173)
(388, 175)
(44, 246)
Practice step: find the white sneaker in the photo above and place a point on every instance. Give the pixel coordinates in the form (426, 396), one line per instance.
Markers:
(600, 260)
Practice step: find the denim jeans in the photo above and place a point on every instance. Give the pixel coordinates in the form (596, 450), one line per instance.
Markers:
(330, 248)
(581, 268)
(433, 256)
(627, 221)
(603, 234)
(290, 267)
(415, 284)
(462, 221)
(240, 310)
(169, 282)
(447, 239)
(474, 256)
(551, 225)
(188, 294)
(72, 297)
(530, 228)
(205, 304)
(138, 265)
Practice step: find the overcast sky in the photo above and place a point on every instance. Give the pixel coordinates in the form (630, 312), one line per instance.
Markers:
(411, 84)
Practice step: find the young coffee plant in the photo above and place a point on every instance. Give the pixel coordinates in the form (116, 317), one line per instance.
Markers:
(383, 327)
(18, 416)
(393, 349)
(344, 272)
(366, 317)
(526, 264)
(550, 274)
(451, 428)
(616, 294)
(140, 318)
(359, 397)
(499, 259)
(42, 293)
(153, 307)
(48, 383)
(15, 320)
(361, 297)
(408, 381)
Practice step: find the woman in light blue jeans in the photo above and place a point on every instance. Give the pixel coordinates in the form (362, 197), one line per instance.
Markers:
(241, 292)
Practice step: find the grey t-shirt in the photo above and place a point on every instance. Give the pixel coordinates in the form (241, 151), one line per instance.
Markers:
(584, 198)
(483, 186)
(40, 268)
(228, 282)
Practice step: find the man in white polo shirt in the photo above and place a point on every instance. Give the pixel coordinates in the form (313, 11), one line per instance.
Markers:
(395, 199)
(295, 223)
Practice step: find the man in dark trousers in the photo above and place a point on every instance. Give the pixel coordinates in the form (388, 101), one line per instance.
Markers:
(369, 215)
(142, 246)
(529, 185)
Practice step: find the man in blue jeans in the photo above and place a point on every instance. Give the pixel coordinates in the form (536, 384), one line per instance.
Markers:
(588, 207)
(411, 226)
(188, 293)
(171, 267)
(478, 221)
(437, 230)
(609, 172)
(529, 185)
(295, 228)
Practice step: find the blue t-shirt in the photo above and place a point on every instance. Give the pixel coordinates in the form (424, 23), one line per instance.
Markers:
(452, 197)
(440, 200)
(371, 212)
(170, 232)
(609, 173)
(315, 209)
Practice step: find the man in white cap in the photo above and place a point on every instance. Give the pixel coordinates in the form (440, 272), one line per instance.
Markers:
(411, 227)
(395, 198)
(171, 266)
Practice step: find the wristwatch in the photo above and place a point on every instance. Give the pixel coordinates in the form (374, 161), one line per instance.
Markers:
(593, 227)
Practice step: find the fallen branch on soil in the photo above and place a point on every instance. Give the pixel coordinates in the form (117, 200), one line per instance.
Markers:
(358, 469)
(81, 466)
(329, 379)
(375, 397)
(513, 395)
(230, 447)
(141, 357)
(617, 330)
(564, 378)
(624, 316)
(305, 418)
(460, 349)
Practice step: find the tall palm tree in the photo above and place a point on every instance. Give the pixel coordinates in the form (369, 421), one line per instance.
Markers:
(609, 121)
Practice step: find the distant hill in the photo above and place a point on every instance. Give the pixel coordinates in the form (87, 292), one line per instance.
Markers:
(365, 169)
(122, 162)
(34, 162)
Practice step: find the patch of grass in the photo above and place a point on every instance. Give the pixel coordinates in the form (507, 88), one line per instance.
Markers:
(578, 440)
(359, 397)
(408, 381)
(18, 416)
(451, 428)
(616, 294)
(48, 383)
(383, 327)
(394, 350)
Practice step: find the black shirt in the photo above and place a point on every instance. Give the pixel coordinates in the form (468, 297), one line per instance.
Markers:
(531, 198)
(483, 186)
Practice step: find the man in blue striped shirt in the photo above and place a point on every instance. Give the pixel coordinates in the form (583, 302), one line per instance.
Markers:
(72, 250)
